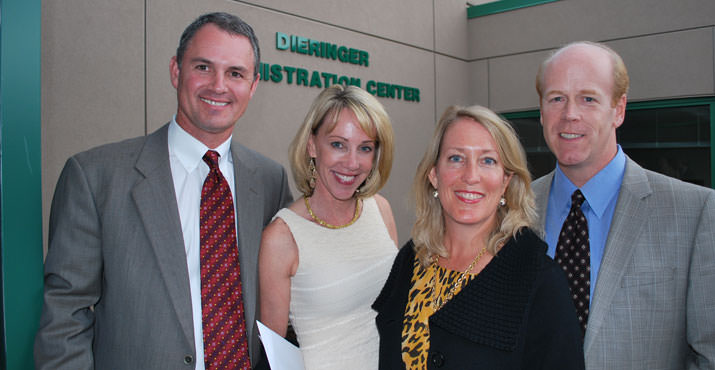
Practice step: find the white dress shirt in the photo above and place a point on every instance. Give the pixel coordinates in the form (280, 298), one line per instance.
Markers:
(189, 171)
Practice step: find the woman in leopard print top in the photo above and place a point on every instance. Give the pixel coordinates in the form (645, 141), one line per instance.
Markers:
(474, 287)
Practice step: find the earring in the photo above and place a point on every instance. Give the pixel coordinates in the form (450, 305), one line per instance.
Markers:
(311, 168)
(435, 194)
(502, 201)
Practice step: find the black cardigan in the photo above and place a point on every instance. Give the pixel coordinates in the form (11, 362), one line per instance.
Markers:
(516, 314)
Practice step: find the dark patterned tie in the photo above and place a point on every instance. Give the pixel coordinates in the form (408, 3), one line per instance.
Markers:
(224, 327)
(573, 253)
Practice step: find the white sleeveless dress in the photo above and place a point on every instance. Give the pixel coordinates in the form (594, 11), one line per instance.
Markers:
(340, 273)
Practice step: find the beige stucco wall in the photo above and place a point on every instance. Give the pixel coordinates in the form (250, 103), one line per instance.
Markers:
(666, 45)
(106, 72)
(105, 64)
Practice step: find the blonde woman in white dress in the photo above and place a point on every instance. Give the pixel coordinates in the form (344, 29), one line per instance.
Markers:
(324, 259)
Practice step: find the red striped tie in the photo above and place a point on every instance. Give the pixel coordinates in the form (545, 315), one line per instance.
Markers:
(224, 327)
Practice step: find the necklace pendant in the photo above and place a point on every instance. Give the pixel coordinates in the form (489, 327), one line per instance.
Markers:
(437, 300)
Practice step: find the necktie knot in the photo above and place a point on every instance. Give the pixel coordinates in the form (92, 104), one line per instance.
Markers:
(211, 159)
(577, 199)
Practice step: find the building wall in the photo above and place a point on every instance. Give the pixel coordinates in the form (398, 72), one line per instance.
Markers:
(105, 65)
(666, 45)
(106, 72)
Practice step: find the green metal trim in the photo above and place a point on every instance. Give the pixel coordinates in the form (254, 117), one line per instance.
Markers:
(20, 171)
(523, 114)
(712, 144)
(674, 145)
(501, 6)
(671, 103)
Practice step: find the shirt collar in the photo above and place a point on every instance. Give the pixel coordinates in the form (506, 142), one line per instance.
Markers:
(190, 151)
(598, 191)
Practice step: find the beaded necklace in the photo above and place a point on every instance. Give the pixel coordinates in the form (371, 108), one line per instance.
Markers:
(331, 226)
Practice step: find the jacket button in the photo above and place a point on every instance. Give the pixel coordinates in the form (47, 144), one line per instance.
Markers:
(437, 359)
(188, 360)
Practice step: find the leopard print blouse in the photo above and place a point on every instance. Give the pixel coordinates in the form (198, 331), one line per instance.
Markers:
(415, 325)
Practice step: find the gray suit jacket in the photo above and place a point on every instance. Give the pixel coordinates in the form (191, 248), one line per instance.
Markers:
(654, 301)
(116, 282)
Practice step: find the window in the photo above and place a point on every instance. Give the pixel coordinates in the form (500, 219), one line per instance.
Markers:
(672, 137)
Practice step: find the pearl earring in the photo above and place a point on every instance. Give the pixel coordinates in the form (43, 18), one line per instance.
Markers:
(435, 194)
(502, 202)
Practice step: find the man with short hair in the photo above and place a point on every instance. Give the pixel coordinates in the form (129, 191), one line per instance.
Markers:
(642, 264)
(153, 241)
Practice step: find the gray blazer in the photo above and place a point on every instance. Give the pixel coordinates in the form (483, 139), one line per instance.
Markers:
(654, 301)
(116, 282)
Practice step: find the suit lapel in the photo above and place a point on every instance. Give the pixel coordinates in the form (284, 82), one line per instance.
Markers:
(629, 218)
(249, 211)
(156, 202)
(246, 201)
(541, 189)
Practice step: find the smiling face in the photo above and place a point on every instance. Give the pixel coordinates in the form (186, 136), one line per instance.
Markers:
(213, 84)
(469, 175)
(343, 156)
(577, 111)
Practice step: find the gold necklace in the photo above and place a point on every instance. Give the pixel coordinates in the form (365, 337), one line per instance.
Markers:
(330, 226)
(437, 301)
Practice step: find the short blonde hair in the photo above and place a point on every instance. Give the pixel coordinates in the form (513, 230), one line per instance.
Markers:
(373, 120)
(620, 73)
(519, 211)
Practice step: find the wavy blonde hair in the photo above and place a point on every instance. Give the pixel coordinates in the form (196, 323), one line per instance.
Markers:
(520, 209)
(371, 116)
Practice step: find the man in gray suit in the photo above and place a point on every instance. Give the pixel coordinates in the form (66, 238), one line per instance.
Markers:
(652, 237)
(122, 274)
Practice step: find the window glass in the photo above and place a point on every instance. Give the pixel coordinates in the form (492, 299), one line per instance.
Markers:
(671, 140)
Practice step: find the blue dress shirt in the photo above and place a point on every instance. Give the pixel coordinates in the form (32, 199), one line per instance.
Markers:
(601, 193)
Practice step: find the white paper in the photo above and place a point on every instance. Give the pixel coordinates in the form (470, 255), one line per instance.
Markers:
(282, 354)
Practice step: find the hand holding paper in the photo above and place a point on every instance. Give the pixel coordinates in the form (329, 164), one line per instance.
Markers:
(282, 354)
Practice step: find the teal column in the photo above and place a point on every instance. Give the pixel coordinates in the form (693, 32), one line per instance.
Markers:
(20, 185)
(712, 144)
